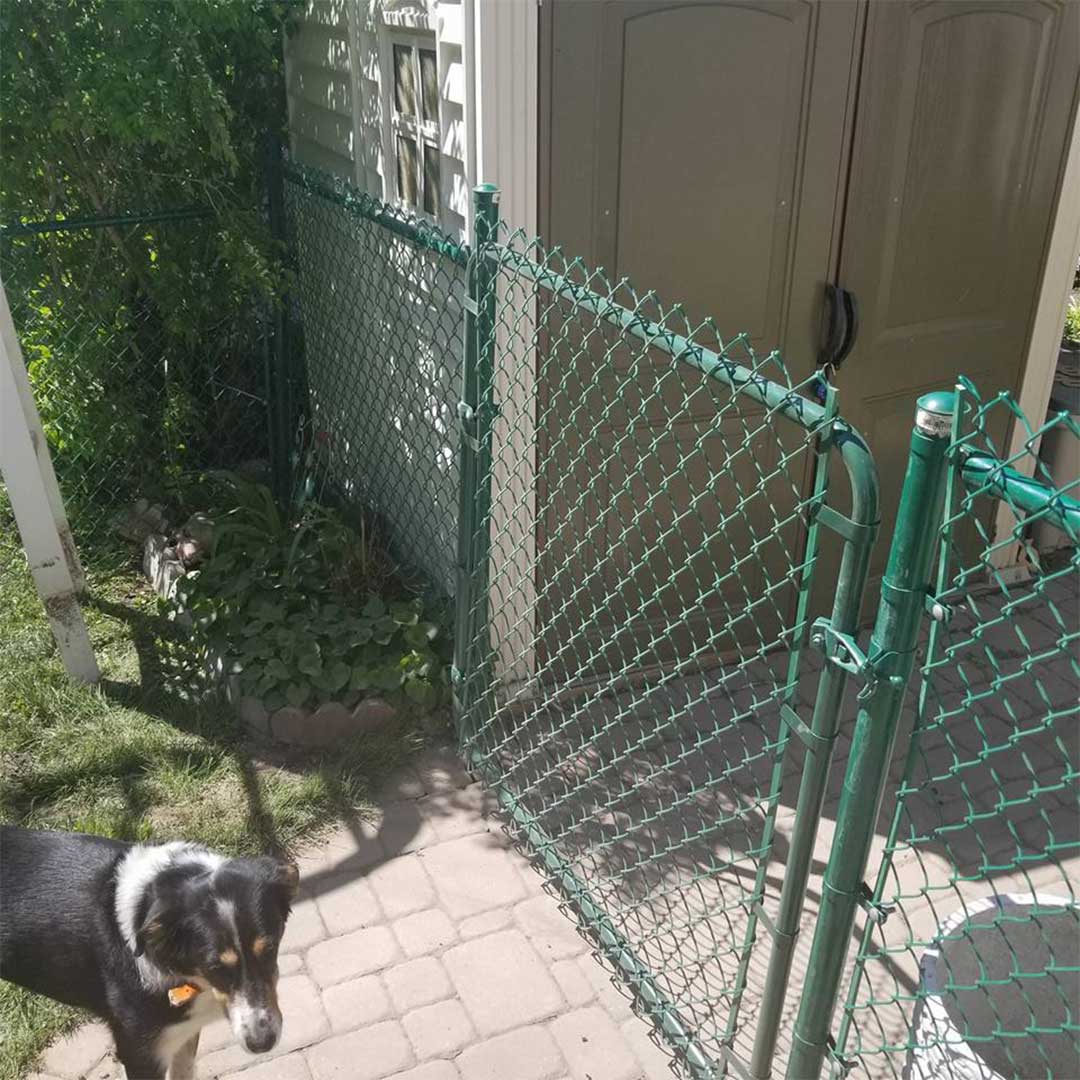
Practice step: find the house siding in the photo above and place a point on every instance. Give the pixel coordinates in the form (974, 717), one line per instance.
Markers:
(382, 318)
(338, 100)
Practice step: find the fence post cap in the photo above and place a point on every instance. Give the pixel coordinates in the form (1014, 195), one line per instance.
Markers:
(934, 413)
(942, 402)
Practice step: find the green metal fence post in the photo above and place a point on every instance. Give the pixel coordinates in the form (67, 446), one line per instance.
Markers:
(476, 413)
(278, 388)
(859, 533)
(888, 667)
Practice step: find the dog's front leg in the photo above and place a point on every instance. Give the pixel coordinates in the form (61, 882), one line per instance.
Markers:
(139, 1060)
(183, 1062)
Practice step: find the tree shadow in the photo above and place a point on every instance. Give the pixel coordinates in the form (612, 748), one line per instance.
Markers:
(157, 694)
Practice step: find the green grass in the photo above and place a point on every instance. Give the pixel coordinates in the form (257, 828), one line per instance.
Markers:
(131, 759)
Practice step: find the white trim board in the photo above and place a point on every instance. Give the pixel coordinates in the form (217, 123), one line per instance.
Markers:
(39, 510)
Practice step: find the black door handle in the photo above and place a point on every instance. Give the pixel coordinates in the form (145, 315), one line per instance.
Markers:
(833, 335)
(841, 327)
(851, 326)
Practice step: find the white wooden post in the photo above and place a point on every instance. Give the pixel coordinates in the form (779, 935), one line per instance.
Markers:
(27, 470)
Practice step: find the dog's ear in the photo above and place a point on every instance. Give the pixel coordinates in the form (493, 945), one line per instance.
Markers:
(284, 878)
(153, 931)
(287, 879)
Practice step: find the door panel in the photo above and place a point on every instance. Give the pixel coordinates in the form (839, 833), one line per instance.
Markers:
(962, 118)
(697, 149)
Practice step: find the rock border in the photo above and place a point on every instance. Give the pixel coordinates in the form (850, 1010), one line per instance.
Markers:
(326, 725)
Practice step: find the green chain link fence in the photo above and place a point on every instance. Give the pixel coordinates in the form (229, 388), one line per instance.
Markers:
(379, 299)
(629, 511)
(637, 508)
(970, 964)
(649, 503)
(130, 397)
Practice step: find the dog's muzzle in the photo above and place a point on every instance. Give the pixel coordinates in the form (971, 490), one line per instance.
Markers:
(257, 1026)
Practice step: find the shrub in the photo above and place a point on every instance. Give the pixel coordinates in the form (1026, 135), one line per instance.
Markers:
(307, 610)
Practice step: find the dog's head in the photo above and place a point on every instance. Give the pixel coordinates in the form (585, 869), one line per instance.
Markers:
(221, 928)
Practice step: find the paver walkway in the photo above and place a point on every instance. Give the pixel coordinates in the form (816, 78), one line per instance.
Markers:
(423, 947)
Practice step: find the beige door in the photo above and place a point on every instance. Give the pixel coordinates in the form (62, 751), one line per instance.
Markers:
(708, 150)
(962, 120)
(697, 149)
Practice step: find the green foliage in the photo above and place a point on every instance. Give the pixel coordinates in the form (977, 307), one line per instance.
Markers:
(144, 341)
(304, 611)
(1071, 334)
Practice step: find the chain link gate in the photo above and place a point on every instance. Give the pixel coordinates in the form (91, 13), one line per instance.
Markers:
(642, 508)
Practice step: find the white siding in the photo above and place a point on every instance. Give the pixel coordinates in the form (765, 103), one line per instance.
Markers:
(339, 85)
(318, 65)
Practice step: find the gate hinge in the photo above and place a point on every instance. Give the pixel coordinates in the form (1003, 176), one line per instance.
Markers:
(876, 911)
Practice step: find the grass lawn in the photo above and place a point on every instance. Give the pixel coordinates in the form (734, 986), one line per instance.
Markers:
(130, 759)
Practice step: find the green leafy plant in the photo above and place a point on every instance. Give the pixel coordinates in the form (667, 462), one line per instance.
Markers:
(306, 611)
(1071, 334)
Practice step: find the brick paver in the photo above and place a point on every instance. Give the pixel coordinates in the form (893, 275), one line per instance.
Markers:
(529, 1053)
(425, 932)
(593, 1046)
(502, 982)
(423, 947)
(419, 982)
(352, 954)
(368, 1054)
(357, 1003)
(439, 1030)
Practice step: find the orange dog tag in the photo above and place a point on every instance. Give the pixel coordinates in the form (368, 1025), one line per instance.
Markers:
(179, 995)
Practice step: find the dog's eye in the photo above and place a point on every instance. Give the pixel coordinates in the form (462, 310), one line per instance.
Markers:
(264, 946)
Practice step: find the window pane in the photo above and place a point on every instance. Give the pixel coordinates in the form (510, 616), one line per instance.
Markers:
(429, 84)
(406, 170)
(431, 180)
(404, 84)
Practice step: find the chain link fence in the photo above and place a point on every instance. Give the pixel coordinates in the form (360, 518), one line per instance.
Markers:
(971, 965)
(379, 300)
(650, 505)
(133, 394)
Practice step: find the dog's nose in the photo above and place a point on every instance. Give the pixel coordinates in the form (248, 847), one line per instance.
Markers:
(262, 1035)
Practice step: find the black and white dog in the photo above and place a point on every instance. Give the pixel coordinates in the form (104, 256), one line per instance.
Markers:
(157, 940)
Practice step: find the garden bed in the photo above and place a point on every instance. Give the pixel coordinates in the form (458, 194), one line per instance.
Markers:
(300, 622)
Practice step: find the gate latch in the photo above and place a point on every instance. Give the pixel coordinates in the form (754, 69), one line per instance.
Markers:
(840, 649)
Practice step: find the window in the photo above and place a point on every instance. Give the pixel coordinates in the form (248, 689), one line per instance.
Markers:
(414, 124)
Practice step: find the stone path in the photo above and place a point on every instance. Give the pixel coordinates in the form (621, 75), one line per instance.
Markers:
(424, 947)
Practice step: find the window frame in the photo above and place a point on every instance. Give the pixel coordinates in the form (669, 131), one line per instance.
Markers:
(422, 133)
